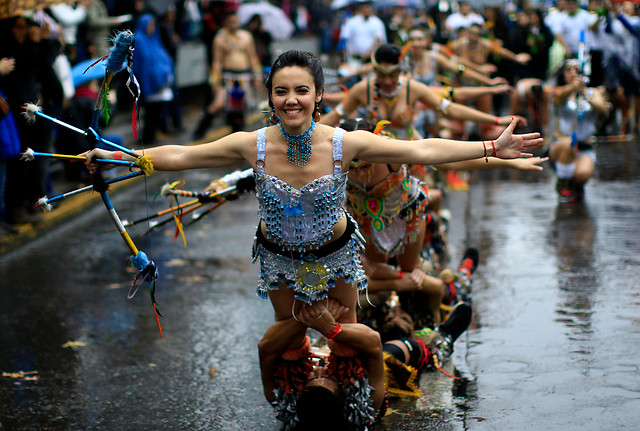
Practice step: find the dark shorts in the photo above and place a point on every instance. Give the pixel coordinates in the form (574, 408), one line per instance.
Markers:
(415, 352)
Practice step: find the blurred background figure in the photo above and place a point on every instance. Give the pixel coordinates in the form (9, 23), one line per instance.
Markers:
(154, 69)
(362, 34)
(261, 38)
(33, 79)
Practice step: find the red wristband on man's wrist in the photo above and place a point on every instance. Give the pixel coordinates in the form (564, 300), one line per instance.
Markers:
(117, 155)
(331, 335)
(496, 121)
(400, 274)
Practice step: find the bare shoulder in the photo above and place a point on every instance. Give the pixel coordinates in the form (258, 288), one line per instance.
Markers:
(325, 132)
(222, 33)
(245, 34)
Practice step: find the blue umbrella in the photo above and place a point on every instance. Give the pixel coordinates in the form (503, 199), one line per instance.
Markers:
(96, 72)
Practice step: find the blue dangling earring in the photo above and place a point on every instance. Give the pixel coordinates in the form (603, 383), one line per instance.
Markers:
(273, 118)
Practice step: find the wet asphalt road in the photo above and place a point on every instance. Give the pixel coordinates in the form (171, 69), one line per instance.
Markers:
(553, 344)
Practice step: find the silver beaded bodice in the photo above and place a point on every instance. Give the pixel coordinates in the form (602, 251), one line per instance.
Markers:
(300, 219)
(581, 110)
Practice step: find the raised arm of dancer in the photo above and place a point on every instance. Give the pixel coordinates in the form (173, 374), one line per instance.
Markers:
(468, 71)
(454, 110)
(466, 94)
(453, 51)
(522, 58)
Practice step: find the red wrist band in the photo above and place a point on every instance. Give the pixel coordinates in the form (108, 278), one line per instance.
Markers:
(496, 121)
(117, 155)
(493, 154)
(400, 274)
(331, 335)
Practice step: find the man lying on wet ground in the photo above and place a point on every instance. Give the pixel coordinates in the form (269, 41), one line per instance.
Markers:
(345, 380)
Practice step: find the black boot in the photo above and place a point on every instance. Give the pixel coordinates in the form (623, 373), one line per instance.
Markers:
(203, 126)
(457, 322)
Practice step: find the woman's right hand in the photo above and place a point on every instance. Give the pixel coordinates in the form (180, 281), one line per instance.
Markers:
(96, 153)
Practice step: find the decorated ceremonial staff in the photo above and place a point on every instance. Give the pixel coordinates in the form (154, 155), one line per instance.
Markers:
(119, 58)
(579, 95)
(227, 188)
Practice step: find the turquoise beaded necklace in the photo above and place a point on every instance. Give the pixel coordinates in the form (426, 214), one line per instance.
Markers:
(298, 146)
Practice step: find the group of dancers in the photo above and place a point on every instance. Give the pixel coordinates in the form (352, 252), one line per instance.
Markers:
(350, 215)
(317, 255)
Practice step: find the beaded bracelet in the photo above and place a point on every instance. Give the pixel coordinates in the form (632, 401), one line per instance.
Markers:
(493, 153)
(331, 335)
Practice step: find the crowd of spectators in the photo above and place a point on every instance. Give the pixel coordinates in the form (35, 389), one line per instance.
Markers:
(41, 47)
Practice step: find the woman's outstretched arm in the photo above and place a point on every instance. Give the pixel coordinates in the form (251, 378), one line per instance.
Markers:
(225, 151)
(372, 148)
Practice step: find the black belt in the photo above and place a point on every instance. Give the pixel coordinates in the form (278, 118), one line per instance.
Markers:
(311, 255)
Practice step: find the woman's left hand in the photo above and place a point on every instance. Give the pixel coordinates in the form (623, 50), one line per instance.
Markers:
(510, 146)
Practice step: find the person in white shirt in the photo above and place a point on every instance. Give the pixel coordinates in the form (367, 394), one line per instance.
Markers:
(573, 22)
(363, 33)
(554, 16)
(70, 17)
(463, 18)
(622, 64)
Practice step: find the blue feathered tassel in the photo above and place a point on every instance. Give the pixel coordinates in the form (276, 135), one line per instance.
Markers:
(122, 43)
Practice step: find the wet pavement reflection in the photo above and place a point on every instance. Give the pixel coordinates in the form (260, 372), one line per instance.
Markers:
(553, 344)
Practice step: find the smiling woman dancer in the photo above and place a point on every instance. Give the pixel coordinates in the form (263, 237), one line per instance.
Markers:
(307, 244)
